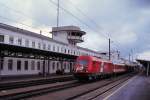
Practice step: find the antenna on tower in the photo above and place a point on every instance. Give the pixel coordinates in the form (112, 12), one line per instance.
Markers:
(57, 13)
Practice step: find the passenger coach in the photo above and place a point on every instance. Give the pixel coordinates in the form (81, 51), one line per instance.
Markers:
(89, 67)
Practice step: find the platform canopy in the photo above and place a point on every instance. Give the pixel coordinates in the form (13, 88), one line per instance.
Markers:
(7, 50)
(146, 64)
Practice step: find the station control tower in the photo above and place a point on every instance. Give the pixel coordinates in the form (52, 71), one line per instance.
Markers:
(68, 34)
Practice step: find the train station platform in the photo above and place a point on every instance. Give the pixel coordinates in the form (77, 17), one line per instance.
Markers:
(31, 77)
(138, 88)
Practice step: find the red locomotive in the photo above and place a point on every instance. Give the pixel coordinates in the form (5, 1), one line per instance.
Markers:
(88, 67)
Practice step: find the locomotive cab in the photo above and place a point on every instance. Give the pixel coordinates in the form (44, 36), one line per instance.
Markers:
(82, 65)
(86, 67)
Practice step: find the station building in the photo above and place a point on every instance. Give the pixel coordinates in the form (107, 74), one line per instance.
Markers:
(63, 42)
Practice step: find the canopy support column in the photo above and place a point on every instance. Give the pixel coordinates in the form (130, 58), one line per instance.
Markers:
(147, 68)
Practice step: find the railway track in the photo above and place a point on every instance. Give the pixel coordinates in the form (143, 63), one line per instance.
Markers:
(99, 91)
(74, 93)
(58, 88)
(21, 84)
(39, 91)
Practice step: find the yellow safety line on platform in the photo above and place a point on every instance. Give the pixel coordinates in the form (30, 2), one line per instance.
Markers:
(106, 98)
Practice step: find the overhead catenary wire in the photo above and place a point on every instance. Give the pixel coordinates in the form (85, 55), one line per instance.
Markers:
(77, 18)
(85, 15)
(82, 22)
(70, 13)
(116, 43)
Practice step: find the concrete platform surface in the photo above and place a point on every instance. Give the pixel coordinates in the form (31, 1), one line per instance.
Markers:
(136, 89)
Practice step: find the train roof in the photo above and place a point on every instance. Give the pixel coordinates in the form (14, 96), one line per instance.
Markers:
(97, 59)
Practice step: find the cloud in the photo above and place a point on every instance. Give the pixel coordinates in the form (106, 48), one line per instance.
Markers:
(144, 55)
(126, 22)
(95, 42)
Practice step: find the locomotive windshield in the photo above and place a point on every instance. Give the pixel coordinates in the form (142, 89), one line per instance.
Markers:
(83, 62)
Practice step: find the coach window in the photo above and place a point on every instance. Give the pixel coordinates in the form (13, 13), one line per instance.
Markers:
(32, 65)
(1, 38)
(26, 65)
(53, 64)
(11, 40)
(20, 42)
(27, 43)
(38, 65)
(18, 65)
(10, 64)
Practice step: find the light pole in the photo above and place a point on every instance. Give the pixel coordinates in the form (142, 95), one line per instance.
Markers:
(129, 57)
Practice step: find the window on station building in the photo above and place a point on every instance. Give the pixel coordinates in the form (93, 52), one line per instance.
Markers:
(33, 44)
(1, 64)
(10, 64)
(39, 45)
(68, 66)
(64, 66)
(32, 65)
(53, 48)
(11, 40)
(53, 65)
(19, 65)
(44, 46)
(26, 65)
(1, 38)
(20, 42)
(68, 51)
(57, 65)
(38, 65)
(58, 48)
(27, 43)
(65, 50)
(62, 49)
(49, 47)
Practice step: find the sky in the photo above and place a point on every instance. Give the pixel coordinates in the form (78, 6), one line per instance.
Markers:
(125, 22)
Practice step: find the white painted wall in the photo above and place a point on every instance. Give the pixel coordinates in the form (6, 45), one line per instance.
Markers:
(62, 37)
